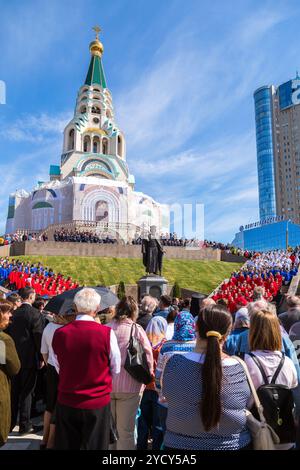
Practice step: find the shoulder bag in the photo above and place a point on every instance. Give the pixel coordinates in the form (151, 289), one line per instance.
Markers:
(136, 363)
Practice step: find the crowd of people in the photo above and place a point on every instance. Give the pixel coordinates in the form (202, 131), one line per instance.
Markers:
(20, 236)
(65, 235)
(228, 248)
(261, 276)
(217, 245)
(15, 275)
(171, 240)
(192, 392)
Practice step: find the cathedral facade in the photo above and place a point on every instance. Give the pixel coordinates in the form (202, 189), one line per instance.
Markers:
(92, 185)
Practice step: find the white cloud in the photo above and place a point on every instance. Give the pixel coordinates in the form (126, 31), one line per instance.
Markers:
(187, 87)
(225, 157)
(173, 105)
(35, 128)
(254, 27)
(26, 169)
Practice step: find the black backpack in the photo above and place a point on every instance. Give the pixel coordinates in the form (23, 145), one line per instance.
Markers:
(278, 404)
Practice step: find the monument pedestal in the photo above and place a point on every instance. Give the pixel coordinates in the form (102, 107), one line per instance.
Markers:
(153, 285)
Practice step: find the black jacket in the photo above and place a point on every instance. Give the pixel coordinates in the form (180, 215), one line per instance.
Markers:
(26, 329)
(288, 318)
(143, 319)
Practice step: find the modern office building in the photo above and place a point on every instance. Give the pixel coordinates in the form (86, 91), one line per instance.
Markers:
(264, 236)
(277, 116)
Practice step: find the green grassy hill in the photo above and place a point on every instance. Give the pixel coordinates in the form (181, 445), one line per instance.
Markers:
(202, 276)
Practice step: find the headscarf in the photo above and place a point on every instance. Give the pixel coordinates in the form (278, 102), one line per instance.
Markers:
(184, 327)
(156, 330)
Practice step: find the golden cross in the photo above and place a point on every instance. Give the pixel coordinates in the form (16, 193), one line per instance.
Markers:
(97, 30)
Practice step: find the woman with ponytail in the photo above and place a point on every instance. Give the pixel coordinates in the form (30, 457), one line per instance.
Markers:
(207, 391)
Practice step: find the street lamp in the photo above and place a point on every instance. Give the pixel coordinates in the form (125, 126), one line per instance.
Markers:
(287, 234)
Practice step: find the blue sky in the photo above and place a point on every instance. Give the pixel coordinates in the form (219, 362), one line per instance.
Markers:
(182, 76)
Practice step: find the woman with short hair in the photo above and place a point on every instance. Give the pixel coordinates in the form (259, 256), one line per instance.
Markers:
(265, 357)
(9, 366)
(215, 388)
(148, 306)
(126, 391)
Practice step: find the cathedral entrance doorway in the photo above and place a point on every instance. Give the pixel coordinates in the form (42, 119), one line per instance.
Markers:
(101, 211)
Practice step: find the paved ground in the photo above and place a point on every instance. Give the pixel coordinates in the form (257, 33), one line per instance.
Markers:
(26, 442)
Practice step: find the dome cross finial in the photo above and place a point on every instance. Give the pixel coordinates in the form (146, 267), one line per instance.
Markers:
(97, 30)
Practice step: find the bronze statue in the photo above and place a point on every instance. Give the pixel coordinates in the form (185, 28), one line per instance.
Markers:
(152, 253)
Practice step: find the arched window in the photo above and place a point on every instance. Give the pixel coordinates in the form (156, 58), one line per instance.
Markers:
(105, 146)
(96, 110)
(83, 109)
(84, 90)
(96, 145)
(87, 143)
(71, 139)
(120, 146)
(96, 98)
(96, 89)
(84, 98)
(108, 114)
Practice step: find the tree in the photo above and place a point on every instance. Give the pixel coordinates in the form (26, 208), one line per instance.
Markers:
(176, 290)
(121, 290)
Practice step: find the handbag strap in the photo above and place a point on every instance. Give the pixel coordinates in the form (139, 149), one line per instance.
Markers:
(253, 389)
(131, 331)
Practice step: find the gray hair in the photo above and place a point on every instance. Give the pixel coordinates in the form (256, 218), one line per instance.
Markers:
(258, 293)
(149, 304)
(293, 302)
(87, 300)
(255, 307)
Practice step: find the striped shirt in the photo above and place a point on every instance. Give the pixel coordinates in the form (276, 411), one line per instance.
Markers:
(123, 382)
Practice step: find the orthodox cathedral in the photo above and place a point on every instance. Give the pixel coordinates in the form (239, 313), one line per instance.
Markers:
(92, 185)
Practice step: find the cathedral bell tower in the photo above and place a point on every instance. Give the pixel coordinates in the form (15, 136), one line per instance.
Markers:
(93, 144)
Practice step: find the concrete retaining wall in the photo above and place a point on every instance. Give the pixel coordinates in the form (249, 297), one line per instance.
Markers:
(230, 258)
(4, 251)
(110, 251)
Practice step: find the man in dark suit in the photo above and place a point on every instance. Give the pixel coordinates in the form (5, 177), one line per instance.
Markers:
(26, 330)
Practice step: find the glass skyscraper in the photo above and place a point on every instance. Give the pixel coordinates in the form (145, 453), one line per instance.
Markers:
(265, 156)
(277, 118)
